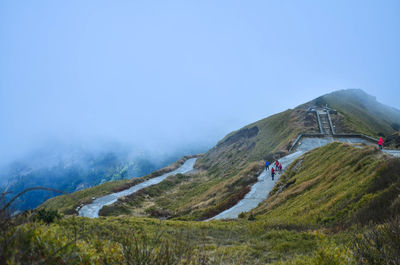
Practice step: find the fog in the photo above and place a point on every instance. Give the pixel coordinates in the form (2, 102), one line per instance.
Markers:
(162, 76)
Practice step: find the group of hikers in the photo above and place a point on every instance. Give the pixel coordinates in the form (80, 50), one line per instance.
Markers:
(278, 167)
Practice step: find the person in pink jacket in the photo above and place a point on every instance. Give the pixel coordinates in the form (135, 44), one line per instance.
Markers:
(380, 143)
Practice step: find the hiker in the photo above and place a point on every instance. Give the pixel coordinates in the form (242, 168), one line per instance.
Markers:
(267, 165)
(280, 167)
(272, 173)
(276, 164)
(380, 143)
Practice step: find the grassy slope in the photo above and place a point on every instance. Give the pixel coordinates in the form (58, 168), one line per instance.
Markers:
(171, 198)
(335, 184)
(274, 134)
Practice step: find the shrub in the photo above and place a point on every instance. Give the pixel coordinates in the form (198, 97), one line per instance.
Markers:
(251, 217)
(139, 247)
(325, 255)
(47, 216)
(154, 211)
(109, 210)
(382, 195)
(380, 245)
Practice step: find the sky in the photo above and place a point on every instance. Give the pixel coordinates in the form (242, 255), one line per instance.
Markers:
(162, 75)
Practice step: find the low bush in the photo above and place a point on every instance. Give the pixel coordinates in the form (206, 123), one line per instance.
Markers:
(47, 216)
(154, 211)
(379, 245)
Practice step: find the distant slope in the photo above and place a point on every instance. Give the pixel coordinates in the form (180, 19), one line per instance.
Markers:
(335, 184)
(360, 112)
(80, 171)
(68, 203)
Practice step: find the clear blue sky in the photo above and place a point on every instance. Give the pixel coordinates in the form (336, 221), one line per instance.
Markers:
(163, 74)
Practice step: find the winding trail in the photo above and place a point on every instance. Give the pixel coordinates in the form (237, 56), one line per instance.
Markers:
(260, 190)
(92, 210)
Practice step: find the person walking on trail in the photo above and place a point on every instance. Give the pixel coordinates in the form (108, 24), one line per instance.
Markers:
(280, 167)
(380, 143)
(267, 165)
(272, 173)
(276, 164)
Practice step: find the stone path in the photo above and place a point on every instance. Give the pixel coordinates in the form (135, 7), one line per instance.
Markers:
(92, 210)
(260, 190)
(395, 153)
(326, 129)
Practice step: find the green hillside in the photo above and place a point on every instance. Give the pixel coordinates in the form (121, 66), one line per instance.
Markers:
(362, 113)
(335, 184)
(259, 140)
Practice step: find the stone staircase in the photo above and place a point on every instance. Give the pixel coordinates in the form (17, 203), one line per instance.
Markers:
(325, 126)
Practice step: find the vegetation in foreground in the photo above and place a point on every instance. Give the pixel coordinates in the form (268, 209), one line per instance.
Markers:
(111, 240)
(266, 236)
(131, 240)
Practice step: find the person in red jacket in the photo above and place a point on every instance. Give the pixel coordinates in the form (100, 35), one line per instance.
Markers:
(276, 164)
(272, 173)
(380, 143)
